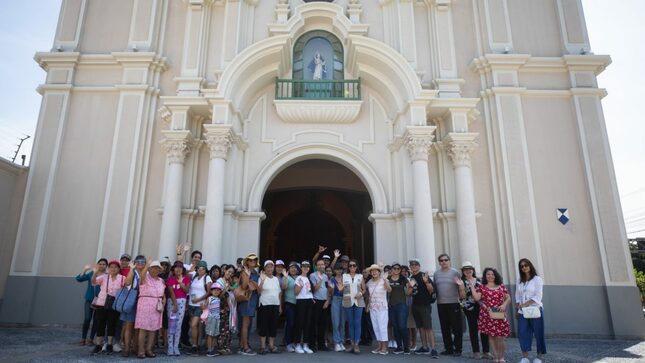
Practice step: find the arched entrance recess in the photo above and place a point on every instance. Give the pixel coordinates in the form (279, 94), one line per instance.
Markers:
(316, 202)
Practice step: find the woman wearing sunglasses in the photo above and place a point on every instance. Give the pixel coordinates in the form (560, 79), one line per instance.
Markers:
(353, 303)
(530, 316)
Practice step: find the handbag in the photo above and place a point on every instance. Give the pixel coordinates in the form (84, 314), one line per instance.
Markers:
(496, 315)
(160, 305)
(531, 312)
(241, 295)
(126, 298)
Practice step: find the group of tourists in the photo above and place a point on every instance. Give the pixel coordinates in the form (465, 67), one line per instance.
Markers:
(135, 305)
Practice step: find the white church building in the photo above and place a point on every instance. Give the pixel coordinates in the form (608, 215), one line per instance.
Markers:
(388, 129)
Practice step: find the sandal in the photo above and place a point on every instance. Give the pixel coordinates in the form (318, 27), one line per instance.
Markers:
(141, 356)
(150, 355)
(274, 350)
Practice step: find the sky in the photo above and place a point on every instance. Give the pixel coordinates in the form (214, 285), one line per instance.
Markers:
(27, 26)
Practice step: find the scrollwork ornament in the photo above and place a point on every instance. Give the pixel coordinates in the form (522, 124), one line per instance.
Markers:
(219, 143)
(176, 150)
(418, 146)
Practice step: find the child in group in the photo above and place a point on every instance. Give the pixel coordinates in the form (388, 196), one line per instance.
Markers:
(213, 320)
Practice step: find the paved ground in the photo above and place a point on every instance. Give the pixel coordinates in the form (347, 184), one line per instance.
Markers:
(60, 345)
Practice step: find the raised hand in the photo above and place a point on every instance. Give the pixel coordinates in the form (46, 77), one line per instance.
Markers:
(131, 264)
(459, 282)
(336, 253)
(321, 248)
(87, 267)
(425, 277)
(284, 273)
(180, 249)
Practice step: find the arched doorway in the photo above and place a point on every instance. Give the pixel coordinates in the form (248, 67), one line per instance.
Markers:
(316, 202)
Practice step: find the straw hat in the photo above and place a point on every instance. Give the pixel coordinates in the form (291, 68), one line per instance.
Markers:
(374, 267)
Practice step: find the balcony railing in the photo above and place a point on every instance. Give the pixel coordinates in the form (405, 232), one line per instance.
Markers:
(292, 89)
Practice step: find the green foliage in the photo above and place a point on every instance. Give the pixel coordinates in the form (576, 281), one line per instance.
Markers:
(640, 282)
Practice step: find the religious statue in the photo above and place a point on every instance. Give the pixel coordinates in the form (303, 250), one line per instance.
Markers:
(317, 67)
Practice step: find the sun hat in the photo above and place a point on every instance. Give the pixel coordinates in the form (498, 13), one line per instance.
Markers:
(114, 262)
(414, 260)
(374, 267)
(155, 264)
(268, 262)
(344, 258)
(305, 262)
(467, 264)
(294, 263)
(126, 256)
(326, 257)
(395, 264)
(164, 259)
(279, 262)
(250, 256)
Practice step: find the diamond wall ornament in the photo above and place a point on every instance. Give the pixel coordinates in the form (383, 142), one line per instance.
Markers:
(562, 214)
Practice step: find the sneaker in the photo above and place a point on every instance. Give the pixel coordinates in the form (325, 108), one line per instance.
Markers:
(445, 352)
(537, 360)
(339, 348)
(248, 352)
(422, 350)
(97, 349)
(525, 360)
(210, 353)
(116, 347)
(104, 349)
(398, 350)
(434, 354)
(406, 351)
(383, 352)
(109, 349)
(290, 348)
(299, 349)
(307, 350)
(193, 351)
(263, 351)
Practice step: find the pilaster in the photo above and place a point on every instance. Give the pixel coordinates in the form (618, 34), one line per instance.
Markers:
(193, 60)
(70, 23)
(354, 11)
(572, 27)
(145, 27)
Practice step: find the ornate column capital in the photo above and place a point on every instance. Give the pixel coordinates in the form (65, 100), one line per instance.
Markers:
(177, 144)
(418, 140)
(459, 146)
(218, 139)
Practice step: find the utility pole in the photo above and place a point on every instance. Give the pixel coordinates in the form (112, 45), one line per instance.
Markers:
(22, 139)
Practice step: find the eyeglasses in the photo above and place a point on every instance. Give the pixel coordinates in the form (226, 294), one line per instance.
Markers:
(352, 265)
(444, 260)
(524, 265)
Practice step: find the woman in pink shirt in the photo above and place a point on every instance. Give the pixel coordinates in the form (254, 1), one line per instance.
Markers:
(106, 316)
(178, 284)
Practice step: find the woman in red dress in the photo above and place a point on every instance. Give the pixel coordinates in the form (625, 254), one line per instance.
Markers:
(493, 297)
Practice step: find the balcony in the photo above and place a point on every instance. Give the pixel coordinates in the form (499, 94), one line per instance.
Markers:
(300, 101)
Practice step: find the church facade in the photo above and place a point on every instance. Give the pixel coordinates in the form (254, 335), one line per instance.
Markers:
(388, 129)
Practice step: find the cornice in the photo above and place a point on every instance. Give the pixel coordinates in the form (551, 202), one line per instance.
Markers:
(528, 63)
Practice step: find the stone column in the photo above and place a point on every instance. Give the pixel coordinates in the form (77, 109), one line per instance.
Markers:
(418, 140)
(459, 147)
(218, 139)
(177, 144)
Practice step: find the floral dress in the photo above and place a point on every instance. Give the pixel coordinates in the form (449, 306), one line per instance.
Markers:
(150, 294)
(492, 298)
(224, 337)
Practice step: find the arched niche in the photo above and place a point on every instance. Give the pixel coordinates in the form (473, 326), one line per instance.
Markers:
(322, 47)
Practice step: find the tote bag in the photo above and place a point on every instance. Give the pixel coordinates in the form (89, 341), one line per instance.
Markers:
(126, 298)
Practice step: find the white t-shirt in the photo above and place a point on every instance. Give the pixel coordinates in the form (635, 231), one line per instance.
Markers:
(197, 289)
(270, 294)
(305, 292)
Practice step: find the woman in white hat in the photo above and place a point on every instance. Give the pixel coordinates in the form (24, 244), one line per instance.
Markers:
(378, 288)
(269, 308)
(150, 307)
(471, 310)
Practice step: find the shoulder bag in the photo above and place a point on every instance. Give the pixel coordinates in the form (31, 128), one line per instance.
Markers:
(531, 312)
(126, 298)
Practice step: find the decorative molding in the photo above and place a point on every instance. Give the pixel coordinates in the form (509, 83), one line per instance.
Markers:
(527, 63)
(418, 140)
(354, 11)
(315, 111)
(177, 144)
(459, 146)
(218, 139)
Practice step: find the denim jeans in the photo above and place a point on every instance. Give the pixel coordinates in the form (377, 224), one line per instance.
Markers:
(89, 313)
(399, 321)
(354, 315)
(290, 324)
(526, 328)
(337, 319)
